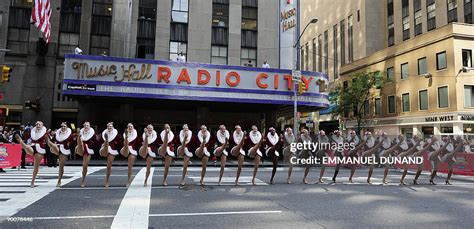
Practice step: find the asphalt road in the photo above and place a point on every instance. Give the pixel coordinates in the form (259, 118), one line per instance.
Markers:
(281, 205)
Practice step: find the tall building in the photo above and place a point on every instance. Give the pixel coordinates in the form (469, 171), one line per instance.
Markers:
(423, 47)
(221, 33)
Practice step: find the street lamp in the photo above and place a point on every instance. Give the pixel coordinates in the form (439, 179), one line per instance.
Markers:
(297, 68)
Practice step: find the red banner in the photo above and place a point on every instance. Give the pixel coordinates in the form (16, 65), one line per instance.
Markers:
(10, 155)
(464, 164)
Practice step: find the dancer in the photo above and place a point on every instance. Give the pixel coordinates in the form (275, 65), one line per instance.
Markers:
(220, 148)
(85, 143)
(417, 144)
(273, 143)
(256, 141)
(433, 157)
(110, 148)
(61, 146)
(36, 148)
(449, 156)
(390, 149)
(339, 140)
(166, 150)
(288, 138)
(239, 138)
(202, 151)
(185, 136)
(371, 149)
(323, 141)
(148, 149)
(358, 146)
(419, 153)
(305, 153)
(131, 146)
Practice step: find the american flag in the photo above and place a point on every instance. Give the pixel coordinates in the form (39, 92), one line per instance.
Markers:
(40, 16)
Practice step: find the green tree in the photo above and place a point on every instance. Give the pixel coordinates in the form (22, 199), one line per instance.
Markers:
(351, 96)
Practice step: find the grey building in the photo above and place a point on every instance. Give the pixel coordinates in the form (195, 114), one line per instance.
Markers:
(228, 32)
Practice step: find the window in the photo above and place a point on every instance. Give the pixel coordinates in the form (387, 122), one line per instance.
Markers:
(176, 48)
(220, 14)
(343, 42)
(404, 71)
(405, 102)
(391, 104)
(423, 99)
(443, 100)
(320, 53)
(247, 55)
(220, 23)
(406, 28)
(422, 66)
(179, 12)
(467, 58)
(441, 61)
(468, 96)
(366, 108)
(418, 22)
(391, 31)
(335, 57)
(249, 18)
(405, 6)
(391, 74)
(326, 52)
(378, 106)
(307, 57)
(69, 26)
(431, 14)
(452, 11)
(219, 54)
(19, 27)
(351, 39)
(146, 29)
(468, 11)
(314, 54)
(101, 25)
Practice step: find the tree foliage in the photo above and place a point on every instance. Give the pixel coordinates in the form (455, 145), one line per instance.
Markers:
(360, 87)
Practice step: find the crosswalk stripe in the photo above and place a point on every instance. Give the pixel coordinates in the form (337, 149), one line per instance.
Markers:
(135, 207)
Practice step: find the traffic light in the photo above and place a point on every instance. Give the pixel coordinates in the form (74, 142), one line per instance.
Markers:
(6, 74)
(302, 88)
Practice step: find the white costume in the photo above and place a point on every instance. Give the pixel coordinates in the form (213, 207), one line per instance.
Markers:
(237, 138)
(208, 136)
(188, 139)
(170, 139)
(273, 140)
(37, 135)
(61, 136)
(86, 136)
(221, 138)
(111, 135)
(131, 137)
(151, 138)
(255, 137)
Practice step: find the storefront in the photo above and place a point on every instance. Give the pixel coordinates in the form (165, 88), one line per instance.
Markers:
(442, 124)
(153, 91)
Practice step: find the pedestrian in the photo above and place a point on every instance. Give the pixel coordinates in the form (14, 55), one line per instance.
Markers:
(265, 65)
(21, 132)
(248, 64)
(78, 50)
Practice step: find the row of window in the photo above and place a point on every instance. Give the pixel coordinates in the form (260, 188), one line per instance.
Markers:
(320, 48)
(441, 64)
(423, 101)
(430, 13)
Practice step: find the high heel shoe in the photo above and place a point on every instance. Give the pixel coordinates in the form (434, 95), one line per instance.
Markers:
(415, 182)
(432, 182)
(447, 183)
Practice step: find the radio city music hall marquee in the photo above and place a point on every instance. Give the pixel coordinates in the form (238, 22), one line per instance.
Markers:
(157, 79)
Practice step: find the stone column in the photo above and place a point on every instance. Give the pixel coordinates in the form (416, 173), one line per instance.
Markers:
(162, 38)
(235, 23)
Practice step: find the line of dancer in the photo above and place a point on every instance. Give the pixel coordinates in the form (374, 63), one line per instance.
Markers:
(254, 144)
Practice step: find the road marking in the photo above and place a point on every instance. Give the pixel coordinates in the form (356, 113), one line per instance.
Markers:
(135, 207)
(73, 217)
(104, 188)
(215, 213)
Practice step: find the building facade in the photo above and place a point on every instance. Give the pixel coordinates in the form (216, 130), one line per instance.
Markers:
(407, 41)
(221, 32)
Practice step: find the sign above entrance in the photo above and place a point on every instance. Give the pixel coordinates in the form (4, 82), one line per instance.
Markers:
(143, 78)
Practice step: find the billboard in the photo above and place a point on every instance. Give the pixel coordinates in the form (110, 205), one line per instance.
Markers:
(157, 79)
(288, 23)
